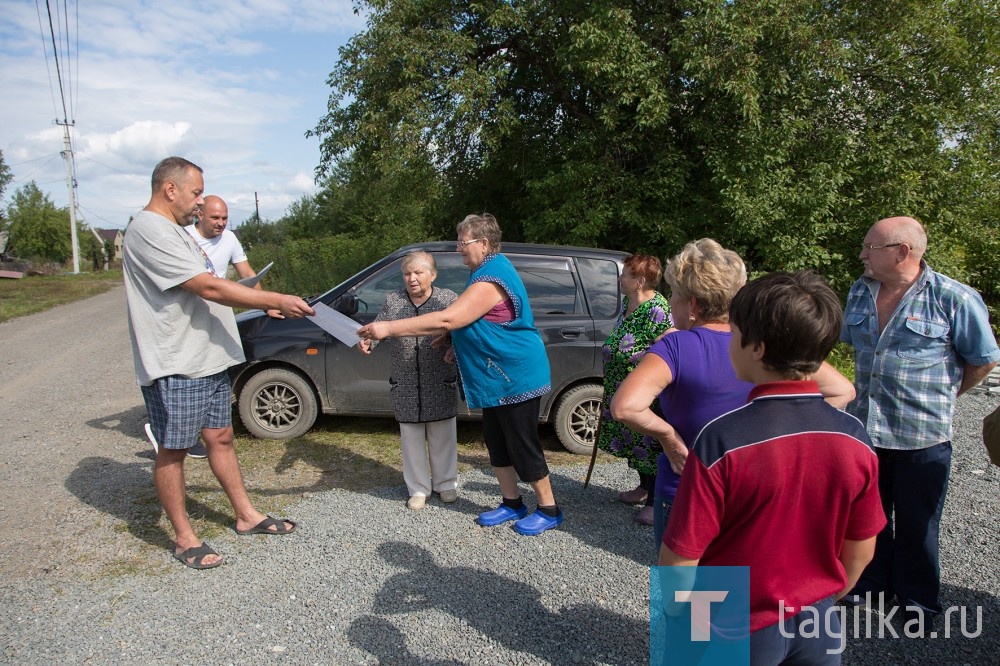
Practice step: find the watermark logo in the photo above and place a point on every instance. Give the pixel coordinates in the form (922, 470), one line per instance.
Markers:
(699, 615)
(867, 617)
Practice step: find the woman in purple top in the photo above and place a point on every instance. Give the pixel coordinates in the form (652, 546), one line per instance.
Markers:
(689, 369)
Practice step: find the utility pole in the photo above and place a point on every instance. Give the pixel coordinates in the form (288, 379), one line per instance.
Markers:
(256, 203)
(71, 186)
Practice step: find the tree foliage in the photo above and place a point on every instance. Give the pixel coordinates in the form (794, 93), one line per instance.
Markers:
(5, 175)
(783, 128)
(38, 229)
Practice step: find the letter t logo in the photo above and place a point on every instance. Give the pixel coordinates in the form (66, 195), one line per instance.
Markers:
(701, 614)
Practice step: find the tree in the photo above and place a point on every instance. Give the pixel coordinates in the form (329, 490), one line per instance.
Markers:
(5, 178)
(37, 228)
(5, 175)
(783, 128)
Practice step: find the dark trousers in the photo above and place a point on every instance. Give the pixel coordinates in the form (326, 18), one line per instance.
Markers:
(913, 485)
(812, 637)
(648, 483)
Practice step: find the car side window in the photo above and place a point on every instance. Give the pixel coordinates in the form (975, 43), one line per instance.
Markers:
(551, 285)
(600, 281)
(373, 292)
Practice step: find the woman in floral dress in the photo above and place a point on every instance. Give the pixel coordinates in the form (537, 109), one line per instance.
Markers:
(644, 320)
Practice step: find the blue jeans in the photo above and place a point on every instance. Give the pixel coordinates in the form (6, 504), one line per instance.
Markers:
(661, 514)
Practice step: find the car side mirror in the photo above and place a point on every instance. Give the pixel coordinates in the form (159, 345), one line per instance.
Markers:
(347, 304)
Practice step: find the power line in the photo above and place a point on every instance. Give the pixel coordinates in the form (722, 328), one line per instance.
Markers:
(45, 52)
(55, 56)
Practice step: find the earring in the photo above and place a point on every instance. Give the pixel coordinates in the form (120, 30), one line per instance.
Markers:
(691, 317)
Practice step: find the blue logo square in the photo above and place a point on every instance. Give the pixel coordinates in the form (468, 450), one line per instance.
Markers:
(699, 615)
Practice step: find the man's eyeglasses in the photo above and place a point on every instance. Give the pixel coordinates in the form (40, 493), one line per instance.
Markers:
(869, 248)
(461, 244)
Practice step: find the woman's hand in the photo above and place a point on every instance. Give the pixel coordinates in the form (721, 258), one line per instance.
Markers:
(377, 330)
(677, 458)
(365, 346)
(675, 449)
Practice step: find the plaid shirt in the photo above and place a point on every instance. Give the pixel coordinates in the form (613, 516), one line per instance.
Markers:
(908, 377)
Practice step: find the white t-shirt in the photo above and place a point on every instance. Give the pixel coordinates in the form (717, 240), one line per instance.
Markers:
(222, 250)
(173, 331)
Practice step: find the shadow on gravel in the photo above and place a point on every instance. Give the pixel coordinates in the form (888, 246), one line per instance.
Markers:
(126, 492)
(506, 610)
(878, 638)
(592, 515)
(381, 638)
(129, 422)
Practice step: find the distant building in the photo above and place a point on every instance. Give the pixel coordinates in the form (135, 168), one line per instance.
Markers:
(115, 236)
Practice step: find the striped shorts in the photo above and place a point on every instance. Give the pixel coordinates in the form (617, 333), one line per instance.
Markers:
(179, 407)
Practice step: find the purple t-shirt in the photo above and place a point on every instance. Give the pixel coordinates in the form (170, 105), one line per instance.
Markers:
(703, 388)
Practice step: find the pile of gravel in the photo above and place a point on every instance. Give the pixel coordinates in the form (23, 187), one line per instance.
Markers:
(365, 581)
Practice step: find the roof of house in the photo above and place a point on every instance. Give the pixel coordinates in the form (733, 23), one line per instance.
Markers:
(109, 234)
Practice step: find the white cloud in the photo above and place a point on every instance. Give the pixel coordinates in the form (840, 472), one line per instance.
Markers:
(233, 86)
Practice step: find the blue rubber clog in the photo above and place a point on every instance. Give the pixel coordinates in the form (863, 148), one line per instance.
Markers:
(537, 523)
(500, 515)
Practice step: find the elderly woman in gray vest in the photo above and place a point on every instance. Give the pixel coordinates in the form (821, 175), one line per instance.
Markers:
(422, 387)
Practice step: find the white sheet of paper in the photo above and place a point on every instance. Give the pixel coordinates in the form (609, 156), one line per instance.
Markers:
(336, 324)
(252, 281)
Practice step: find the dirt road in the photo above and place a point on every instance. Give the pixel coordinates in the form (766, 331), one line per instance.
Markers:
(67, 396)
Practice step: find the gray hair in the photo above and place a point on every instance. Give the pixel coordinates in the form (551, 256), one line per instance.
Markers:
(419, 257)
(908, 230)
(481, 226)
(173, 169)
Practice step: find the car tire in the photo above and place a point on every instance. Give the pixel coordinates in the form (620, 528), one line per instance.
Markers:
(577, 417)
(277, 404)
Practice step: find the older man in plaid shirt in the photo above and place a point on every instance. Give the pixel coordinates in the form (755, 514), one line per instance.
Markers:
(920, 340)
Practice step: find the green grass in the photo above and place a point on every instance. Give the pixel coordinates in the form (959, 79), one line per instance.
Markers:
(38, 293)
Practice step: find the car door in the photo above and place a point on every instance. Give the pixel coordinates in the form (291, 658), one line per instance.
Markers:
(561, 317)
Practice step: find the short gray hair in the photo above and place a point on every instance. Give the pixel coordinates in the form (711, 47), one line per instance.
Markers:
(172, 168)
(482, 226)
(419, 257)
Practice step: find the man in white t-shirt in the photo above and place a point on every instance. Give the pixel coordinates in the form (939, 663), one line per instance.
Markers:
(218, 242)
(184, 337)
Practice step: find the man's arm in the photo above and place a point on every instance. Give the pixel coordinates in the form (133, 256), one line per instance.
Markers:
(855, 556)
(835, 387)
(973, 375)
(233, 294)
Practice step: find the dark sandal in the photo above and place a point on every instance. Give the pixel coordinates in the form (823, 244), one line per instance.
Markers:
(197, 556)
(262, 527)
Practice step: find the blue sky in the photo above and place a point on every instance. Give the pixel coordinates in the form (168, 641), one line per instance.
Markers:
(231, 85)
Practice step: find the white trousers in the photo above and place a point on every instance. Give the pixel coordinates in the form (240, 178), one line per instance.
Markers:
(441, 439)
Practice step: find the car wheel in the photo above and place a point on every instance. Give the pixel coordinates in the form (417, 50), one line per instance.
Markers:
(277, 404)
(577, 418)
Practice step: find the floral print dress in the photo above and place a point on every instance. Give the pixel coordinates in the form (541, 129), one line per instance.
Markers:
(622, 351)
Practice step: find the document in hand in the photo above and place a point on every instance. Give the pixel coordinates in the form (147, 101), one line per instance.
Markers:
(336, 324)
(252, 281)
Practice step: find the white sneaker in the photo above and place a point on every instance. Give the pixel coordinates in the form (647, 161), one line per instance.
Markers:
(449, 496)
(416, 502)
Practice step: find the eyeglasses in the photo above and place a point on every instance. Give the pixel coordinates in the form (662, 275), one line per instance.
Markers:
(869, 248)
(465, 243)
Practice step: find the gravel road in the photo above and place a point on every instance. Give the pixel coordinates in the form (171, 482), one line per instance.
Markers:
(363, 581)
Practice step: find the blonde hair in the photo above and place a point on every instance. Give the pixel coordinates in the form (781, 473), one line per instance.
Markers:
(709, 273)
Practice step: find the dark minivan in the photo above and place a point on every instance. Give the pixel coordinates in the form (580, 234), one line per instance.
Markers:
(294, 369)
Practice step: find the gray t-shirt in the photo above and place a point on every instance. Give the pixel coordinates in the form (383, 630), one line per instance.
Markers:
(173, 331)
